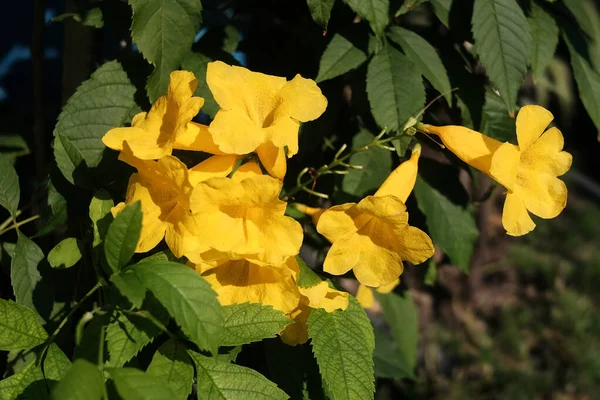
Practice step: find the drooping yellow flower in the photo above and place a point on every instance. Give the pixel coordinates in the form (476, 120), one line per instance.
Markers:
(244, 220)
(528, 170)
(261, 113)
(167, 125)
(365, 297)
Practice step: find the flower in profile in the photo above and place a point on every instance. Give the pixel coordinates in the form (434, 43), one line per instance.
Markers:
(261, 113)
(167, 125)
(529, 171)
(244, 220)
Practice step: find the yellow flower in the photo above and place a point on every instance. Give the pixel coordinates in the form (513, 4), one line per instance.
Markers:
(314, 212)
(365, 297)
(261, 113)
(244, 220)
(402, 180)
(168, 125)
(528, 170)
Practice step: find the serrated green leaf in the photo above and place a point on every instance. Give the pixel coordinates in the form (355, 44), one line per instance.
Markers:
(9, 186)
(394, 87)
(99, 104)
(343, 343)
(196, 63)
(56, 363)
(389, 361)
(13, 146)
(84, 381)
(129, 285)
(250, 322)
(65, 254)
(164, 31)
(495, 121)
(100, 215)
(24, 273)
(223, 381)
(172, 365)
(123, 235)
(451, 226)
(20, 327)
(26, 384)
(58, 206)
(408, 5)
(441, 8)
(503, 44)
(188, 298)
(544, 39)
(126, 335)
(582, 16)
(424, 57)
(339, 57)
(320, 11)
(134, 384)
(70, 161)
(90, 338)
(376, 163)
(374, 11)
(401, 316)
(307, 277)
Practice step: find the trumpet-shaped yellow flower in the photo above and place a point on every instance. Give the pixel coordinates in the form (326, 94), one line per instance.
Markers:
(528, 170)
(245, 220)
(167, 125)
(261, 112)
(365, 297)
(402, 180)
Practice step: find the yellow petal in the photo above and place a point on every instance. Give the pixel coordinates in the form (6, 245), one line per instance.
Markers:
(138, 118)
(388, 288)
(543, 194)
(301, 99)
(505, 164)
(365, 297)
(337, 223)
(314, 212)
(414, 245)
(470, 146)
(117, 209)
(214, 166)
(196, 137)
(273, 159)
(531, 123)
(322, 296)
(235, 133)
(389, 208)
(297, 333)
(402, 180)
(182, 85)
(545, 155)
(115, 137)
(283, 132)
(247, 170)
(515, 218)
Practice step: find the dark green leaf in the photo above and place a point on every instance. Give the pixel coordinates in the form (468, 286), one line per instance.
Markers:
(343, 344)
(424, 57)
(24, 273)
(376, 163)
(390, 362)
(100, 215)
(495, 121)
(26, 384)
(13, 146)
(431, 274)
(374, 11)
(395, 88)
(188, 298)
(320, 11)
(9, 186)
(544, 39)
(339, 57)
(164, 31)
(65, 254)
(503, 43)
(126, 335)
(56, 363)
(70, 161)
(307, 276)
(408, 5)
(441, 8)
(222, 380)
(58, 206)
(133, 384)
(172, 365)
(251, 322)
(130, 286)
(196, 63)
(123, 235)
(84, 381)
(20, 327)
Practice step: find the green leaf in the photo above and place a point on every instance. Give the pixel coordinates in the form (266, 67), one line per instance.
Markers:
(343, 343)
(401, 316)
(424, 57)
(431, 274)
(13, 146)
(503, 43)
(376, 163)
(126, 335)
(70, 161)
(320, 11)
(172, 365)
(188, 298)
(222, 380)
(339, 57)
(24, 273)
(389, 361)
(544, 39)
(130, 286)
(58, 206)
(20, 327)
(56, 363)
(374, 11)
(408, 5)
(164, 31)
(307, 276)
(451, 226)
(394, 87)
(133, 384)
(99, 104)
(84, 381)
(100, 215)
(26, 384)
(92, 17)
(441, 8)
(196, 63)
(582, 15)
(9, 186)
(495, 121)
(123, 235)
(65, 254)
(251, 322)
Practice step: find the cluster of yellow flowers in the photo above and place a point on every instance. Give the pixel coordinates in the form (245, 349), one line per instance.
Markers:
(225, 215)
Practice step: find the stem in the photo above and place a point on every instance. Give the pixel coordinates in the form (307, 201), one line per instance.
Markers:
(9, 220)
(14, 226)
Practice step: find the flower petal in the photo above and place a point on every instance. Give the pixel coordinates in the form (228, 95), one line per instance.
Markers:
(365, 297)
(214, 166)
(247, 170)
(389, 287)
(414, 245)
(235, 133)
(544, 195)
(531, 122)
(402, 180)
(336, 223)
(545, 154)
(301, 99)
(283, 132)
(322, 296)
(273, 159)
(515, 218)
(196, 137)
(505, 164)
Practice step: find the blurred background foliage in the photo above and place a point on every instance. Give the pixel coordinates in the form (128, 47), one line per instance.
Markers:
(498, 317)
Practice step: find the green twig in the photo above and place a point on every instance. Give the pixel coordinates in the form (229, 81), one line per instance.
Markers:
(18, 224)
